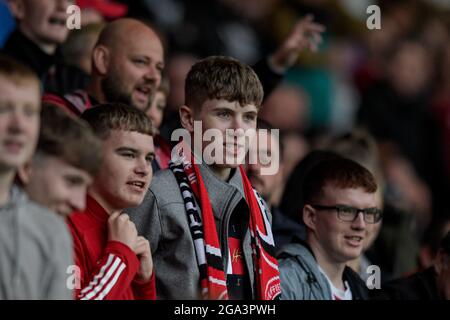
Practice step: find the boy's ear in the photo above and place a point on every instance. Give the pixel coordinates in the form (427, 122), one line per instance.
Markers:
(309, 217)
(24, 173)
(17, 8)
(101, 59)
(187, 118)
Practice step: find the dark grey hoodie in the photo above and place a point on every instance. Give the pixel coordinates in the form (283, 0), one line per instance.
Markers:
(35, 251)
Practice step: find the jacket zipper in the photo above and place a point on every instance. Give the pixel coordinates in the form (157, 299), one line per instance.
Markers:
(224, 235)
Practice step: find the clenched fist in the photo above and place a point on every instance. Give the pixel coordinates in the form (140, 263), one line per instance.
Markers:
(122, 229)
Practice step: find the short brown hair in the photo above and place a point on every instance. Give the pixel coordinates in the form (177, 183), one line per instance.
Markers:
(17, 72)
(219, 77)
(117, 116)
(339, 172)
(69, 139)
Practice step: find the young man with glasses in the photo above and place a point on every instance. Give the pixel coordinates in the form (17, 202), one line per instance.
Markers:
(340, 208)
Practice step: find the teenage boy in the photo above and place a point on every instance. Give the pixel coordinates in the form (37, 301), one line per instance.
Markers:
(340, 203)
(35, 245)
(67, 158)
(114, 262)
(208, 229)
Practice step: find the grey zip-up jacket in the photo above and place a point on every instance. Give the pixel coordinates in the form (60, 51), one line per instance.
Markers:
(162, 219)
(35, 251)
(301, 278)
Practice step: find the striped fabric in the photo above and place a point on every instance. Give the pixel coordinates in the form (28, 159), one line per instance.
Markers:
(104, 280)
(206, 241)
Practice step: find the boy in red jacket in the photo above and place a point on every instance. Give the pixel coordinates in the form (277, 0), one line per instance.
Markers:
(114, 262)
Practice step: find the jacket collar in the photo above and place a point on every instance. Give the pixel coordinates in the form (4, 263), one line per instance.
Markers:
(219, 191)
(16, 196)
(95, 210)
(29, 53)
(299, 248)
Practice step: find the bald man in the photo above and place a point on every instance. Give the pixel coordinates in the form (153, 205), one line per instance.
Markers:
(127, 62)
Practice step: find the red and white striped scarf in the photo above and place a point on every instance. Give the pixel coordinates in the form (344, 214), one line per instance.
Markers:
(206, 241)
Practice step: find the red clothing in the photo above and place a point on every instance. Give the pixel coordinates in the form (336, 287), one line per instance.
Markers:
(107, 268)
(75, 102)
(162, 152)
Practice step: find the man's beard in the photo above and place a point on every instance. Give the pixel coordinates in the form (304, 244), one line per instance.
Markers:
(114, 92)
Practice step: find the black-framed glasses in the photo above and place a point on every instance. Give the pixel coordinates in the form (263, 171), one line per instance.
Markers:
(349, 214)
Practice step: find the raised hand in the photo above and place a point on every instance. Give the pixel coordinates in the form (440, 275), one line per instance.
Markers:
(305, 34)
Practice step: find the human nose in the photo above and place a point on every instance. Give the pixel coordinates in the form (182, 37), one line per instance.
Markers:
(359, 222)
(143, 166)
(153, 74)
(17, 123)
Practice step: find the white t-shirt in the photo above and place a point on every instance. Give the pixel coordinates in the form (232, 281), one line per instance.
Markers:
(336, 293)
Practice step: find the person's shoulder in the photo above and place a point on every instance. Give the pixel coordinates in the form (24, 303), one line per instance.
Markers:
(164, 187)
(297, 257)
(293, 250)
(41, 215)
(162, 176)
(294, 275)
(163, 191)
(41, 223)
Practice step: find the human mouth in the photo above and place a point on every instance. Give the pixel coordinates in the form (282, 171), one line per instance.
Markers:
(143, 93)
(354, 241)
(13, 146)
(57, 21)
(137, 186)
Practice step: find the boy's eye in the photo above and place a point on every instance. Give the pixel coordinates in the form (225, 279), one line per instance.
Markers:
(150, 159)
(250, 117)
(128, 155)
(72, 181)
(223, 114)
(30, 111)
